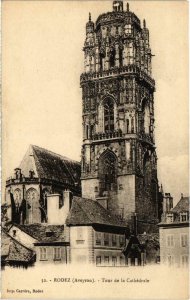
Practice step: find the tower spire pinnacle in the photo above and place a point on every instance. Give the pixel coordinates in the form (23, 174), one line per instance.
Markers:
(118, 5)
(89, 16)
(127, 6)
(144, 23)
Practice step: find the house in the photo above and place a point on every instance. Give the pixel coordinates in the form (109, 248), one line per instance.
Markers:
(141, 249)
(14, 253)
(49, 242)
(83, 231)
(96, 235)
(79, 231)
(40, 173)
(174, 233)
(134, 252)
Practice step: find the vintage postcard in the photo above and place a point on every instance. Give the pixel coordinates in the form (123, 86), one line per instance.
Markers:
(95, 192)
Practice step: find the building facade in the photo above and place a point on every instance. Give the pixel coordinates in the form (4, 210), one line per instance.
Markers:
(14, 253)
(119, 161)
(50, 243)
(81, 231)
(96, 236)
(174, 233)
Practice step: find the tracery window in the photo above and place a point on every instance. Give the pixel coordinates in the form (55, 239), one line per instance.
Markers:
(32, 208)
(107, 171)
(108, 115)
(131, 53)
(17, 197)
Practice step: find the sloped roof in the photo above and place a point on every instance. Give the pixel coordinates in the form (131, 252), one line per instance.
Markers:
(12, 250)
(133, 245)
(182, 205)
(87, 211)
(39, 231)
(5, 244)
(49, 165)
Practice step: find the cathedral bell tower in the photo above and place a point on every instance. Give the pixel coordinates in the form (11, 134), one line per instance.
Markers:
(119, 163)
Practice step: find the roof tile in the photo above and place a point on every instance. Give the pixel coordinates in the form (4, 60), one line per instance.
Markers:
(49, 165)
(182, 205)
(87, 211)
(40, 232)
(16, 251)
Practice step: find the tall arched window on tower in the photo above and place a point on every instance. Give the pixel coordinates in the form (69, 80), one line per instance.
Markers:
(147, 169)
(132, 125)
(146, 119)
(127, 125)
(32, 206)
(107, 171)
(112, 58)
(102, 57)
(146, 116)
(108, 115)
(121, 56)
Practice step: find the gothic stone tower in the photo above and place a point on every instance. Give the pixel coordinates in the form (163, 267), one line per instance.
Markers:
(119, 163)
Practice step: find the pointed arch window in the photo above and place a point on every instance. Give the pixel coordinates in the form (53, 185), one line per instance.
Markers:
(32, 212)
(127, 123)
(108, 115)
(145, 116)
(132, 125)
(112, 58)
(120, 57)
(107, 171)
(102, 57)
(147, 119)
(147, 169)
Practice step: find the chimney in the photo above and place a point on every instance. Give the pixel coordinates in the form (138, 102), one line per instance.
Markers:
(103, 201)
(134, 224)
(57, 214)
(53, 208)
(167, 203)
(67, 200)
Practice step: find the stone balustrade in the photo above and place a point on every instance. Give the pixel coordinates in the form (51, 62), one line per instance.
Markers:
(128, 69)
(107, 135)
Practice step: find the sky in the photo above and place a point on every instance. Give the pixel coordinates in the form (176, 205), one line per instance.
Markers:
(42, 56)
